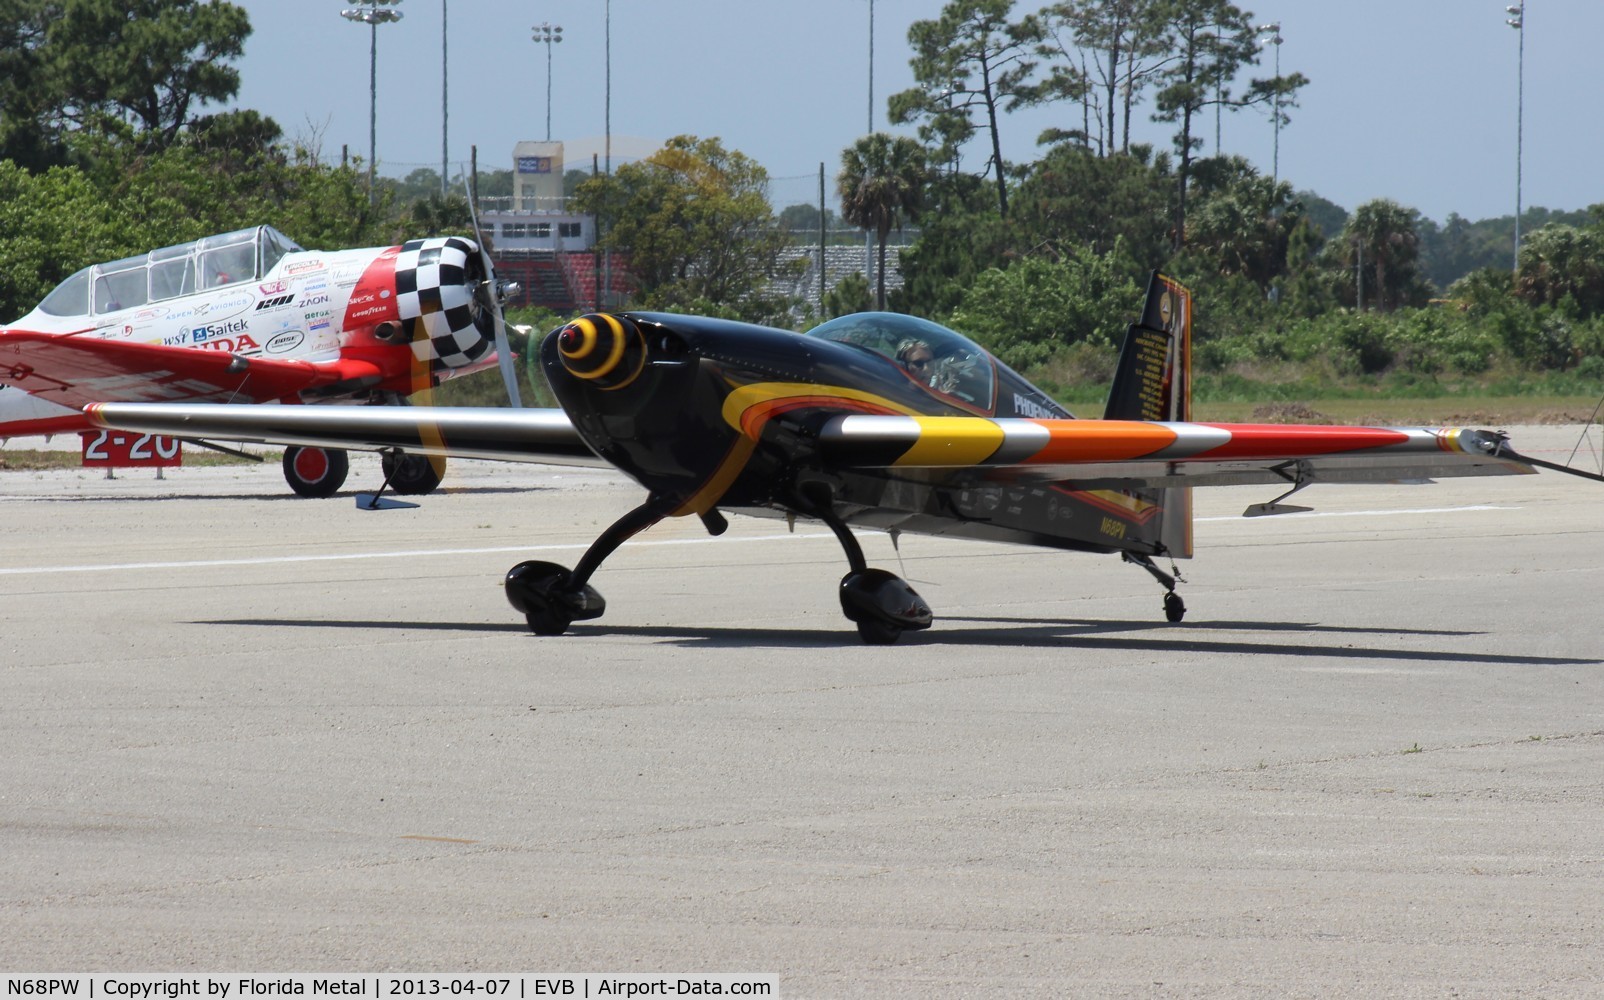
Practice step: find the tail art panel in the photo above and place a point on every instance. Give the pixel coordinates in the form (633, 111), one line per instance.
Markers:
(1153, 381)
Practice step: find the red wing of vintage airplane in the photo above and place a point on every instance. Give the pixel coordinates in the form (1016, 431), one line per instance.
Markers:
(249, 317)
(876, 420)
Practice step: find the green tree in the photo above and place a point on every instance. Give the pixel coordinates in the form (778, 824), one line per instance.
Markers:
(881, 185)
(1124, 40)
(51, 224)
(1030, 310)
(30, 131)
(1380, 245)
(149, 62)
(971, 59)
(1212, 41)
(696, 223)
(850, 295)
(1072, 197)
(1563, 266)
(1242, 222)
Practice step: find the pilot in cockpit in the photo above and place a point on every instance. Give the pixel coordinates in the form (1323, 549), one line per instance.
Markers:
(916, 356)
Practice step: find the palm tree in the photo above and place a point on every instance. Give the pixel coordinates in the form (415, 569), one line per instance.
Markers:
(881, 184)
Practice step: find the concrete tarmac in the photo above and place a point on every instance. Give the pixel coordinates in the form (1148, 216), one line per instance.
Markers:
(243, 732)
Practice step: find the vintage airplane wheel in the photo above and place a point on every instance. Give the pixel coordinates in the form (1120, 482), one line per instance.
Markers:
(413, 475)
(315, 473)
(1174, 607)
(882, 605)
(878, 633)
(543, 593)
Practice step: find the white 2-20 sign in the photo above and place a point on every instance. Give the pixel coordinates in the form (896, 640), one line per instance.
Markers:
(119, 450)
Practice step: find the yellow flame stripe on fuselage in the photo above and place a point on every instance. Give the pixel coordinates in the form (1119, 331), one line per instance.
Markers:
(747, 409)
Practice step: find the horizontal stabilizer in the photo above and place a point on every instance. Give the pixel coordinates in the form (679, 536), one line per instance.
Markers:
(1271, 509)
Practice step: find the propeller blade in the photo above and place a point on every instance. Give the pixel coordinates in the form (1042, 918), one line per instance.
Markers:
(509, 372)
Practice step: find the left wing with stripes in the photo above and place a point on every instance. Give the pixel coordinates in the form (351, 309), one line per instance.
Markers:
(1128, 454)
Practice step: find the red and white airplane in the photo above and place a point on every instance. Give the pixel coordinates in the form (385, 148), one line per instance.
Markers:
(251, 317)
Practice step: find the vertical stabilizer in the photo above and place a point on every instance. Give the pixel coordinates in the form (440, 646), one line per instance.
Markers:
(1153, 381)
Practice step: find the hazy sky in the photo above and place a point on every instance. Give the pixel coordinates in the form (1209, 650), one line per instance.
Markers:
(1413, 100)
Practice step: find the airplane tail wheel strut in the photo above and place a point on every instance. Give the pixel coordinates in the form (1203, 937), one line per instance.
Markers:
(1174, 607)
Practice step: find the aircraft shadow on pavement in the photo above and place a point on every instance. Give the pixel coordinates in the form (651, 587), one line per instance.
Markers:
(1079, 634)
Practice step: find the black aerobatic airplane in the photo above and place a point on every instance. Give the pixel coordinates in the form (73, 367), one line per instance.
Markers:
(878, 420)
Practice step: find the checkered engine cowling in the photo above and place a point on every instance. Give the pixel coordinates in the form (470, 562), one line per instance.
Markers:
(435, 281)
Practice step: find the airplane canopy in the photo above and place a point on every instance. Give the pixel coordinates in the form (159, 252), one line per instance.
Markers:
(209, 262)
(955, 366)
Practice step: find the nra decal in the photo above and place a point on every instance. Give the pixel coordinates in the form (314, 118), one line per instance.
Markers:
(284, 343)
(243, 344)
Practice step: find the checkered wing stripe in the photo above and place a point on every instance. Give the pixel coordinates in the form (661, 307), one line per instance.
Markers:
(434, 298)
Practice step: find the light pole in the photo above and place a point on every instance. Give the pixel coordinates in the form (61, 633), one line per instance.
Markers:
(548, 34)
(1273, 29)
(445, 83)
(377, 12)
(868, 237)
(1517, 20)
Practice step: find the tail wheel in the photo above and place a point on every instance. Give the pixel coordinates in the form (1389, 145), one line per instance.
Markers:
(315, 473)
(413, 475)
(1174, 607)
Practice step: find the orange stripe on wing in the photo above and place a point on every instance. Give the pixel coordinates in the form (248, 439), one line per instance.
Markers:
(1101, 440)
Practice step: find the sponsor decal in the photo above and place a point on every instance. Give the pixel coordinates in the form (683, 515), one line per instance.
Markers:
(201, 334)
(274, 302)
(243, 344)
(1027, 407)
(226, 307)
(150, 312)
(346, 275)
(381, 309)
(274, 287)
(303, 267)
(313, 300)
(284, 343)
(362, 299)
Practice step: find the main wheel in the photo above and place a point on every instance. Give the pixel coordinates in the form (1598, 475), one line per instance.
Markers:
(413, 475)
(315, 473)
(542, 593)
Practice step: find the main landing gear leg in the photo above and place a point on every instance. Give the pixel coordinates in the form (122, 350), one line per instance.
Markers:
(552, 597)
(881, 604)
(1174, 607)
